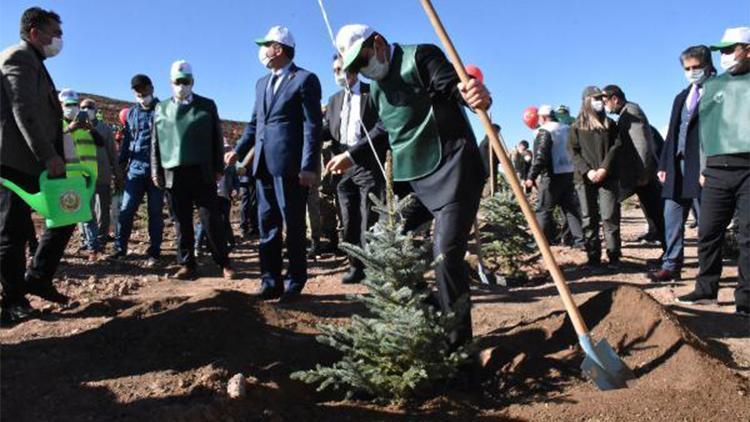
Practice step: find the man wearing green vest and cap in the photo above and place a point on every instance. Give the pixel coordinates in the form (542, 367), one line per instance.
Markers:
(187, 159)
(84, 139)
(420, 102)
(724, 113)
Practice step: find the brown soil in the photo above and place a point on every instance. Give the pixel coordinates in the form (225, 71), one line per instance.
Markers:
(138, 346)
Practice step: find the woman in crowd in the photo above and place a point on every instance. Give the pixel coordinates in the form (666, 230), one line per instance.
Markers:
(593, 146)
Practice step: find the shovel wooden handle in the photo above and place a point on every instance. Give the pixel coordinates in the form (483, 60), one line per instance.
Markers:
(557, 275)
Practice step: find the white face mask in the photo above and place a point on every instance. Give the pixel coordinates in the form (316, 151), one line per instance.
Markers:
(694, 76)
(263, 56)
(53, 49)
(181, 92)
(70, 112)
(145, 101)
(607, 110)
(375, 69)
(92, 115)
(597, 105)
(728, 61)
(340, 79)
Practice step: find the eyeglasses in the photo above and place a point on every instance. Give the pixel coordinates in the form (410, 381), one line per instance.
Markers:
(183, 81)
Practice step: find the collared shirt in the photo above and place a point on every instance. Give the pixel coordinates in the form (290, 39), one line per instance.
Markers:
(685, 117)
(350, 115)
(281, 73)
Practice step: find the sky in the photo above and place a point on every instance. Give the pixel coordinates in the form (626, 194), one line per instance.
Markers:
(531, 53)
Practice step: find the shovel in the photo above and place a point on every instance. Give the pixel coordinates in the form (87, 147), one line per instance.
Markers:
(601, 364)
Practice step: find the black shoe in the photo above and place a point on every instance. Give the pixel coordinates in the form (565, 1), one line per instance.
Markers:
(697, 298)
(186, 272)
(743, 311)
(314, 251)
(648, 238)
(663, 275)
(354, 276)
(13, 314)
(46, 291)
(614, 264)
(268, 293)
(289, 296)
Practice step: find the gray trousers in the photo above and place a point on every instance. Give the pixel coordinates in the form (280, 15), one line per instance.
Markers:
(599, 204)
(102, 210)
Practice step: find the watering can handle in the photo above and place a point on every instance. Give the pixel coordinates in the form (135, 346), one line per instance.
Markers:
(75, 168)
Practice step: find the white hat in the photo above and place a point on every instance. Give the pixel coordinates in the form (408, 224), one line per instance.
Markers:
(732, 36)
(181, 70)
(279, 34)
(349, 41)
(545, 110)
(68, 96)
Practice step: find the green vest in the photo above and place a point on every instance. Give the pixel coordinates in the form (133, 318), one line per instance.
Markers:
(185, 132)
(724, 114)
(405, 108)
(85, 148)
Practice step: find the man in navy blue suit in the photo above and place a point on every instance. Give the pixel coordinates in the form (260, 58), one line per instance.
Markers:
(285, 130)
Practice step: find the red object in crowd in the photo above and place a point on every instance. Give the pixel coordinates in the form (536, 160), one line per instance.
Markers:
(475, 73)
(123, 115)
(531, 117)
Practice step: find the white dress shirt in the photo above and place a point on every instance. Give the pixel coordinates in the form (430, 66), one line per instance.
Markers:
(350, 116)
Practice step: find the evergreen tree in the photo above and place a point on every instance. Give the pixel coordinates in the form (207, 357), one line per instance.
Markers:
(505, 235)
(401, 348)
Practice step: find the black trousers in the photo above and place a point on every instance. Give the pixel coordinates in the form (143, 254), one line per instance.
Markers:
(599, 204)
(190, 190)
(726, 191)
(248, 206)
(357, 216)
(553, 191)
(15, 220)
(652, 206)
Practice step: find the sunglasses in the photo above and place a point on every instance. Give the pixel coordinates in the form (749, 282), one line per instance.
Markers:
(183, 81)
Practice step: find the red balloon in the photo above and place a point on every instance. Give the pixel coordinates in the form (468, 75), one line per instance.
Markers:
(531, 117)
(474, 72)
(123, 115)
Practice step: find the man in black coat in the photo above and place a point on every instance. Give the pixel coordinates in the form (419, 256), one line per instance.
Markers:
(341, 123)
(637, 159)
(680, 162)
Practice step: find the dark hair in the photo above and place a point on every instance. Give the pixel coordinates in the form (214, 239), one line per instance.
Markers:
(614, 91)
(288, 51)
(36, 17)
(700, 53)
(524, 143)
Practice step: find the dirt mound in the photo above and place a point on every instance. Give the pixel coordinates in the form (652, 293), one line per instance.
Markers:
(675, 371)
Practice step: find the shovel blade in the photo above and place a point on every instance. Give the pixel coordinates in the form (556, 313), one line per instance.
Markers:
(606, 369)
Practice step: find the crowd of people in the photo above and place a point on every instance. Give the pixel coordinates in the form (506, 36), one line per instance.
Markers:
(292, 151)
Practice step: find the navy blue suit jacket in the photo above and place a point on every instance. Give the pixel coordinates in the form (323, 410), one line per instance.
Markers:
(287, 134)
(690, 186)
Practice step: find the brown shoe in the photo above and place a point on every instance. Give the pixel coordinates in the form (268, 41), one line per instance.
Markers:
(186, 273)
(662, 275)
(229, 273)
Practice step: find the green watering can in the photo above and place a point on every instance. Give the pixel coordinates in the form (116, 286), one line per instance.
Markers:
(62, 202)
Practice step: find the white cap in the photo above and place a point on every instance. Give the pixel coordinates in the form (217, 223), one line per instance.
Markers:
(181, 70)
(68, 96)
(545, 110)
(279, 34)
(732, 36)
(349, 41)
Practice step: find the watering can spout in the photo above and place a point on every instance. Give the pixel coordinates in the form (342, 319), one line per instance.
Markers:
(34, 200)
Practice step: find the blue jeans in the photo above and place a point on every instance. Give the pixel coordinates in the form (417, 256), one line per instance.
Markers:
(676, 212)
(137, 185)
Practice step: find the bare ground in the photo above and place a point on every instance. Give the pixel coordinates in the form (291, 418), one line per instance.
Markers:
(139, 346)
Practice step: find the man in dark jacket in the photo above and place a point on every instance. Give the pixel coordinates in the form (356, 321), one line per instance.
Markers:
(725, 139)
(680, 163)
(285, 132)
(187, 158)
(552, 174)
(135, 156)
(421, 103)
(341, 123)
(637, 158)
(31, 140)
